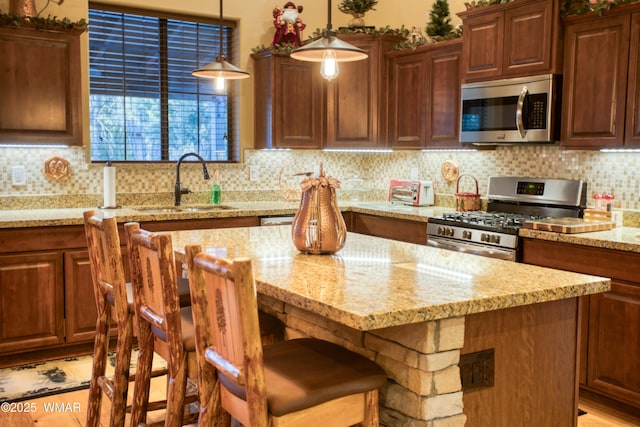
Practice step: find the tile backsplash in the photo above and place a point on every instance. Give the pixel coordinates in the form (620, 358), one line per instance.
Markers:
(275, 170)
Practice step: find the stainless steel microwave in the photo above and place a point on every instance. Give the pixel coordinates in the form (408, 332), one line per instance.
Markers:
(511, 111)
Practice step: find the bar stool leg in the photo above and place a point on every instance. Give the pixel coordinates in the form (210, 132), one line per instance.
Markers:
(143, 375)
(99, 366)
(121, 377)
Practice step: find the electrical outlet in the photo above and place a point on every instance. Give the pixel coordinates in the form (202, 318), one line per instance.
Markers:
(18, 175)
(254, 175)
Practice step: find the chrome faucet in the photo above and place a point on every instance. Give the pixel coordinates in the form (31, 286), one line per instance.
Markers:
(179, 191)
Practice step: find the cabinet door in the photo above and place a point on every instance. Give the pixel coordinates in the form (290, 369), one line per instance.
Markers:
(80, 303)
(407, 101)
(443, 108)
(595, 82)
(40, 87)
(289, 103)
(483, 46)
(298, 100)
(356, 110)
(632, 133)
(528, 38)
(31, 301)
(353, 102)
(614, 342)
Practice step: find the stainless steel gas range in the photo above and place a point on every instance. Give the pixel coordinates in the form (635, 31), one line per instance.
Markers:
(511, 202)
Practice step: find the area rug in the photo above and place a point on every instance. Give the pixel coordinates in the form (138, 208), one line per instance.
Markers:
(41, 379)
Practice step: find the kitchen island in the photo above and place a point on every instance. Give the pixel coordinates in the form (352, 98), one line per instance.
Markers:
(424, 315)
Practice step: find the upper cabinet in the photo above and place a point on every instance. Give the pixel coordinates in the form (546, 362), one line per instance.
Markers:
(514, 39)
(40, 87)
(356, 107)
(424, 96)
(289, 99)
(296, 108)
(601, 93)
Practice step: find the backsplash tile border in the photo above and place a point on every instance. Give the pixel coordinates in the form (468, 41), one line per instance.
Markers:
(139, 184)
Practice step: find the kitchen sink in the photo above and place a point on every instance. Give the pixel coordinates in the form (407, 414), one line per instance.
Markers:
(173, 209)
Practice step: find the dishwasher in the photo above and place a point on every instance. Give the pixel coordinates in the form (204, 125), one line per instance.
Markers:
(276, 220)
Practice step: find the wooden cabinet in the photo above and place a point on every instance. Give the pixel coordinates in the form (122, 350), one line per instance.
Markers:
(389, 228)
(296, 108)
(31, 301)
(424, 96)
(356, 110)
(289, 99)
(40, 87)
(601, 91)
(514, 39)
(610, 342)
(47, 305)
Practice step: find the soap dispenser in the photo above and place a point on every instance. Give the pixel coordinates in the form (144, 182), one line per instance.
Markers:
(216, 191)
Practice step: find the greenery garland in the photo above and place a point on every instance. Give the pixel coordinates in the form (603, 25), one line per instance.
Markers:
(51, 23)
(287, 48)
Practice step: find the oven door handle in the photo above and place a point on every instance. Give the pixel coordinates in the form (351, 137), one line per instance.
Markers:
(474, 250)
(519, 122)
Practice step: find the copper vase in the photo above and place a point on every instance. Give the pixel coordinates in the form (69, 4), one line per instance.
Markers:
(318, 226)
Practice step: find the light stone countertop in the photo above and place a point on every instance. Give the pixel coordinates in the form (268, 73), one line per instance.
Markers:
(73, 216)
(620, 238)
(375, 283)
(624, 238)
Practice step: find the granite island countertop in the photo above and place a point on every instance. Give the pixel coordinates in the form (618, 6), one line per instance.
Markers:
(376, 283)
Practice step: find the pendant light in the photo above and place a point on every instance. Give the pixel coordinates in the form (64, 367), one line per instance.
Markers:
(220, 70)
(329, 50)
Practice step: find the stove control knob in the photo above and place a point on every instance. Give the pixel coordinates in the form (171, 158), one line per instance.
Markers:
(440, 231)
(466, 234)
(450, 232)
(495, 239)
(484, 237)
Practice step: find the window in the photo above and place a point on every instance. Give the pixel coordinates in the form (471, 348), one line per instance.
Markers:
(144, 103)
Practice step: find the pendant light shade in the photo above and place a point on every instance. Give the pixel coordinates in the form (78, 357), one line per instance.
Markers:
(329, 50)
(342, 50)
(220, 69)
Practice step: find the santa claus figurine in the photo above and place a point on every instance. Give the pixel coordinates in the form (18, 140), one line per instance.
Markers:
(288, 24)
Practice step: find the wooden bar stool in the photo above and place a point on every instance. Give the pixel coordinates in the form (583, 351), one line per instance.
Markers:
(163, 326)
(112, 293)
(114, 302)
(301, 382)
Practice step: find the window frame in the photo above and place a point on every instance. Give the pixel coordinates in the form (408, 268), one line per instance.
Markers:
(233, 146)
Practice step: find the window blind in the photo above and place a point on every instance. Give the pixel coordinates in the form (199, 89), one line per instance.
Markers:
(144, 103)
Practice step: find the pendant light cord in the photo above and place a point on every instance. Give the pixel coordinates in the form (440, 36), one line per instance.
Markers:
(220, 54)
(329, 30)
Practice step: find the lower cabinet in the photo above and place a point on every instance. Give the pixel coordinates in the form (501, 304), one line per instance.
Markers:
(31, 301)
(47, 305)
(610, 330)
(390, 228)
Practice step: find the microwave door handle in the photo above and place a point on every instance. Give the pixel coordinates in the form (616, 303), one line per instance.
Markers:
(519, 123)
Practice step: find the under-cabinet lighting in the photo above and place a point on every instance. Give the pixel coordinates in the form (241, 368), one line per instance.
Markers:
(620, 150)
(448, 150)
(358, 150)
(34, 146)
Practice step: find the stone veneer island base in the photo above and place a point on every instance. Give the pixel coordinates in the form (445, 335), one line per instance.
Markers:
(420, 313)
